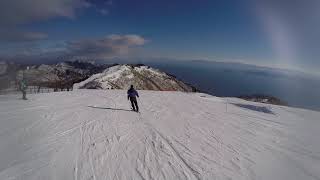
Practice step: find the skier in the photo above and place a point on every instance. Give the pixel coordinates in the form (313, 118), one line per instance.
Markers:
(23, 88)
(132, 94)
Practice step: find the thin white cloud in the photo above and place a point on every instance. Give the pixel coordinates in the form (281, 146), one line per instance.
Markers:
(106, 47)
(109, 2)
(15, 12)
(103, 11)
(11, 35)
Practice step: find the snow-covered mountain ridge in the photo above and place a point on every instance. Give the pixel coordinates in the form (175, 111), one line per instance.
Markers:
(66, 73)
(141, 76)
(86, 75)
(92, 134)
(61, 75)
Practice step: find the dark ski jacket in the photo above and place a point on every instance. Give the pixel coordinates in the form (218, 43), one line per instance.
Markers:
(23, 85)
(132, 93)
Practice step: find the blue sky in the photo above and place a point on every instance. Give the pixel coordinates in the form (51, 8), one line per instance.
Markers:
(274, 33)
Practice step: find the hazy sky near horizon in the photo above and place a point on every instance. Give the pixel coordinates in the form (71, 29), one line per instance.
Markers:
(281, 33)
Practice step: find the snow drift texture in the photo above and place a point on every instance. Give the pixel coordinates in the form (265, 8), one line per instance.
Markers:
(142, 77)
(91, 134)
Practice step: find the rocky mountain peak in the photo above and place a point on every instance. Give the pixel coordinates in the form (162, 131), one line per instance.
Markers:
(138, 75)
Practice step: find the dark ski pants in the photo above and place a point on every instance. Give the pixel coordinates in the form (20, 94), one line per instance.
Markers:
(24, 94)
(134, 103)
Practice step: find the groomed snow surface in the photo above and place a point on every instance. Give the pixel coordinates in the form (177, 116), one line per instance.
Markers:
(92, 134)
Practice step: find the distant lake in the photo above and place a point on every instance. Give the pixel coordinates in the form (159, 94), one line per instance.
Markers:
(233, 79)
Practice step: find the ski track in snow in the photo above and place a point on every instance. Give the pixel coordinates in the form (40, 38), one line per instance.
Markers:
(175, 136)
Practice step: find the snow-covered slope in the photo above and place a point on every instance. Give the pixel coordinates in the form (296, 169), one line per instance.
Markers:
(91, 134)
(142, 77)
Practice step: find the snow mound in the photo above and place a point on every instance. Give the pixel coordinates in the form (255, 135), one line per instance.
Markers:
(142, 77)
(92, 134)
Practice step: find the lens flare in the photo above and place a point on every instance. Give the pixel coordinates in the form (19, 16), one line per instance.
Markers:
(280, 35)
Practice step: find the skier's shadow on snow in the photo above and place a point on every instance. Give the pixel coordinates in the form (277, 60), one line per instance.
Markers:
(117, 109)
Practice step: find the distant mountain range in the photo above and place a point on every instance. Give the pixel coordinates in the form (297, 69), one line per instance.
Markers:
(60, 75)
(88, 75)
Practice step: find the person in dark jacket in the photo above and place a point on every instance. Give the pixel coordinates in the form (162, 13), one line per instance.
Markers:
(132, 94)
(23, 88)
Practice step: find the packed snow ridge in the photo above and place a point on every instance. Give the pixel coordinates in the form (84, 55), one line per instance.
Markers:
(142, 77)
(92, 134)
